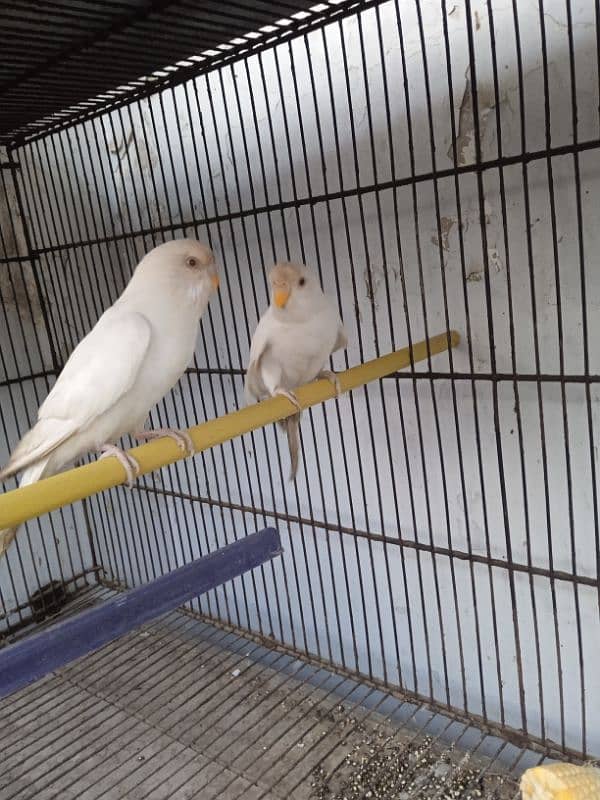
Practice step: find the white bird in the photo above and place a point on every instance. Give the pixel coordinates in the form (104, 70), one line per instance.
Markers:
(134, 355)
(293, 342)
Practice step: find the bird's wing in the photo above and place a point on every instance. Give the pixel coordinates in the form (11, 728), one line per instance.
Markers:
(253, 386)
(101, 369)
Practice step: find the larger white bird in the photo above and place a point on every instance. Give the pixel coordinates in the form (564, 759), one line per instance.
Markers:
(293, 342)
(134, 355)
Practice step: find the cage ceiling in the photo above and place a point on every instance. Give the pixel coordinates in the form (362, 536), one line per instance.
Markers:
(61, 60)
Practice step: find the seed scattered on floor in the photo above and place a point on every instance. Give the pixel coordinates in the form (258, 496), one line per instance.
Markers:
(382, 767)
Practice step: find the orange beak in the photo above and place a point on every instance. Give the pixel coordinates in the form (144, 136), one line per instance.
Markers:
(280, 297)
(215, 280)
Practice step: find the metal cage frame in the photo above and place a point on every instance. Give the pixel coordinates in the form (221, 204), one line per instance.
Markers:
(77, 213)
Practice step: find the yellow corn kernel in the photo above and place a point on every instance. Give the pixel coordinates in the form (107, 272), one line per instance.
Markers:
(561, 782)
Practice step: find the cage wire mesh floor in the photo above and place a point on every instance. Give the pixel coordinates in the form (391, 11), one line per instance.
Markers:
(182, 708)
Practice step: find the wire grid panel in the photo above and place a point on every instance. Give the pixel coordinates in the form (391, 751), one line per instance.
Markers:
(102, 48)
(52, 548)
(436, 163)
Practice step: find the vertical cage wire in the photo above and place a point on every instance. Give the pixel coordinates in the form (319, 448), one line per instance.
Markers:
(27, 370)
(435, 163)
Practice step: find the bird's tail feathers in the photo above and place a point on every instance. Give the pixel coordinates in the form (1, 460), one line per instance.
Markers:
(35, 473)
(45, 436)
(6, 538)
(291, 425)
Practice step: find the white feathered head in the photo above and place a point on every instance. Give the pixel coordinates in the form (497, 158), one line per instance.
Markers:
(185, 262)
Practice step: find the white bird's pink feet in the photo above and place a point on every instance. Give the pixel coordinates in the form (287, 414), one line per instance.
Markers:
(289, 395)
(181, 438)
(129, 464)
(331, 376)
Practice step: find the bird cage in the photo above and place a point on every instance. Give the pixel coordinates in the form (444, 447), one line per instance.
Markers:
(431, 626)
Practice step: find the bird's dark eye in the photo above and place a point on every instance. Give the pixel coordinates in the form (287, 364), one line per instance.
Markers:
(302, 281)
(191, 262)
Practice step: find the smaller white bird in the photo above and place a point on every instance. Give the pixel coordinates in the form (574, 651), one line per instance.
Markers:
(292, 343)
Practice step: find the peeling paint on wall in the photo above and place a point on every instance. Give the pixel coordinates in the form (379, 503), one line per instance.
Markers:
(446, 225)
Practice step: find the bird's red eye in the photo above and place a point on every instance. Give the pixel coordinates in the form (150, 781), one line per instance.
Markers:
(302, 281)
(191, 262)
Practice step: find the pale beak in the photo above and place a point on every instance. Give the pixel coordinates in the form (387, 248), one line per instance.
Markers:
(215, 280)
(280, 297)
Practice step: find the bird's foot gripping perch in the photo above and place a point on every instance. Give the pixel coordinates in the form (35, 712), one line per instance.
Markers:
(129, 464)
(181, 438)
(331, 376)
(289, 395)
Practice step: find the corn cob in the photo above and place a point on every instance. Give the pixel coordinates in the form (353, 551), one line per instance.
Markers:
(561, 782)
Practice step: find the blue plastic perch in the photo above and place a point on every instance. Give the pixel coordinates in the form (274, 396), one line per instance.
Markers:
(29, 660)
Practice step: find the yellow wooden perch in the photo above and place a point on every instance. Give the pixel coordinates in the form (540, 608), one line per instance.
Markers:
(39, 498)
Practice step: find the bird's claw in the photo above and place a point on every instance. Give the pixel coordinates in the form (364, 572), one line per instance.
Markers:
(289, 395)
(332, 377)
(129, 464)
(181, 438)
